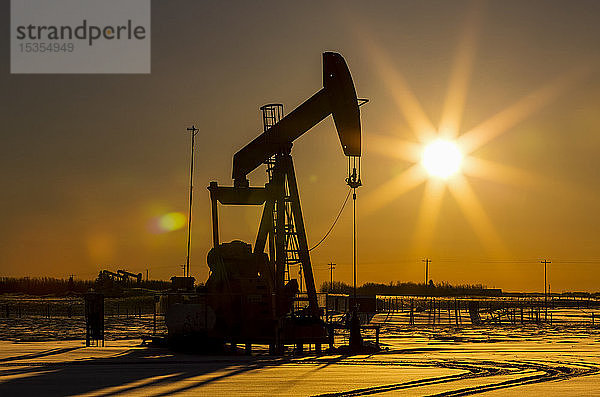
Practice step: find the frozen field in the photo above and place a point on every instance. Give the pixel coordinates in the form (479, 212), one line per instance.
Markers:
(27, 318)
(526, 360)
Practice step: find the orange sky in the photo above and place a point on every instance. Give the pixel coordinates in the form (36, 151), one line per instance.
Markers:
(89, 164)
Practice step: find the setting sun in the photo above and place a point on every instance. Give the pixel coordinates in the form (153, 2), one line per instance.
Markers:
(442, 158)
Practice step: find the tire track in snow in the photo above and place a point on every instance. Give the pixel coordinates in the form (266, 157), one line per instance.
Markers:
(476, 369)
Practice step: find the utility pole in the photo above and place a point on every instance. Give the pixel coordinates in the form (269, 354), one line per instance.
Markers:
(70, 283)
(427, 262)
(331, 267)
(183, 267)
(545, 262)
(147, 271)
(193, 130)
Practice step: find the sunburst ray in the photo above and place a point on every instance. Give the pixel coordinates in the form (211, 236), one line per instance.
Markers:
(406, 181)
(395, 148)
(475, 214)
(514, 114)
(402, 94)
(428, 214)
(461, 73)
(509, 175)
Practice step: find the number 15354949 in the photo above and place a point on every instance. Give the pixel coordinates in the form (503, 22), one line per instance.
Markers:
(46, 47)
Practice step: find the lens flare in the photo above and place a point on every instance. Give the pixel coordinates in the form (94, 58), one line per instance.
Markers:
(442, 158)
(167, 223)
(172, 221)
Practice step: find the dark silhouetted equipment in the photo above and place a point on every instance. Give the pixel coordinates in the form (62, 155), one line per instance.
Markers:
(125, 275)
(113, 284)
(111, 275)
(250, 292)
(120, 276)
(182, 283)
(94, 318)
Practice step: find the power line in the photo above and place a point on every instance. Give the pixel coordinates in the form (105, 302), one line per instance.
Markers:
(334, 222)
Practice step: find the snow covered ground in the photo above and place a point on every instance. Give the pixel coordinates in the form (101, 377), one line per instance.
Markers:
(528, 360)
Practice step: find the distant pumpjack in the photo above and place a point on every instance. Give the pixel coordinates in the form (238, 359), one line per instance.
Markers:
(125, 274)
(112, 275)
